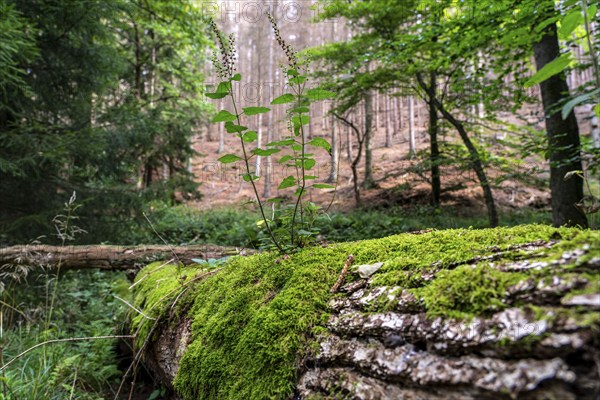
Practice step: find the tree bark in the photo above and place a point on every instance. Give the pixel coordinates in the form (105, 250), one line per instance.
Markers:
(107, 257)
(369, 182)
(473, 155)
(434, 153)
(563, 138)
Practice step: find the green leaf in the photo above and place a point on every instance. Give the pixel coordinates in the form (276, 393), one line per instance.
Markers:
(292, 72)
(296, 147)
(569, 23)
(298, 80)
(286, 98)
(549, 70)
(250, 136)
(297, 120)
(275, 200)
(236, 77)
(265, 152)
(224, 87)
(224, 116)
(320, 94)
(323, 186)
(215, 96)
(250, 177)
(230, 127)
(310, 177)
(299, 110)
(299, 192)
(287, 182)
(597, 110)
(285, 142)
(255, 110)
(567, 108)
(320, 142)
(285, 159)
(309, 163)
(229, 158)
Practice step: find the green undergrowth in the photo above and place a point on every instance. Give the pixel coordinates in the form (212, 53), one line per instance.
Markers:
(253, 321)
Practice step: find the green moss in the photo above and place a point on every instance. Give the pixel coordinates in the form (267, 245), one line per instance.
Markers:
(467, 290)
(255, 320)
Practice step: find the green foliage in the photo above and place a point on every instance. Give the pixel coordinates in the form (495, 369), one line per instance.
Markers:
(85, 306)
(255, 319)
(97, 97)
(297, 219)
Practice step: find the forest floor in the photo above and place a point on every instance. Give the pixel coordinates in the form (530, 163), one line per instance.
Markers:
(398, 184)
(398, 180)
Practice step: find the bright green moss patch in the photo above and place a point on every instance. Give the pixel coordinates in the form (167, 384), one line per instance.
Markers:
(467, 290)
(254, 320)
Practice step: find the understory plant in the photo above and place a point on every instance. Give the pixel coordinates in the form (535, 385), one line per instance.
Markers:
(289, 226)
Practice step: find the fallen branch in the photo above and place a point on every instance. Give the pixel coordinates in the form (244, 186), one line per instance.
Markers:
(108, 257)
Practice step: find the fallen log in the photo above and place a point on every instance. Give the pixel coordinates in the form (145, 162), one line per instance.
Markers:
(108, 257)
(498, 314)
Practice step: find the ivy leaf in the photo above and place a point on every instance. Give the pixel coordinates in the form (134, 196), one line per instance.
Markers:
(233, 128)
(250, 136)
(323, 186)
(287, 182)
(320, 142)
(286, 98)
(265, 152)
(255, 110)
(224, 116)
(549, 70)
(319, 94)
(229, 158)
(236, 77)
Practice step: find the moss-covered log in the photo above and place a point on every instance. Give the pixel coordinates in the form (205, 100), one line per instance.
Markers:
(106, 257)
(500, 313)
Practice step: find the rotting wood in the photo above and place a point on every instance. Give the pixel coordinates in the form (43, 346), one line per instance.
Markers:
(109, 257)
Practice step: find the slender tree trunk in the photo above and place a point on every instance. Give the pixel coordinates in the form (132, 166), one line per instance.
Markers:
(388, 130)
(434, 155)
(411, 127)
(369, 182)
(335, 153)
(349, 141)
(563, 138)
(473, 155)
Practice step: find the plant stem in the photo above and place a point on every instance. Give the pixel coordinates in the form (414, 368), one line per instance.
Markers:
(251, 176)
(302, 154)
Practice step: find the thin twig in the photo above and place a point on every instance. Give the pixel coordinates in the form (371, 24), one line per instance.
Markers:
(342, 276)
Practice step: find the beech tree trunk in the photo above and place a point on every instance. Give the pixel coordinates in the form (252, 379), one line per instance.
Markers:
(107, 257)
(563, 138)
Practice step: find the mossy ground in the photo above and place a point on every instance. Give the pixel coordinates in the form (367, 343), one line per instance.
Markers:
(254, 320)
